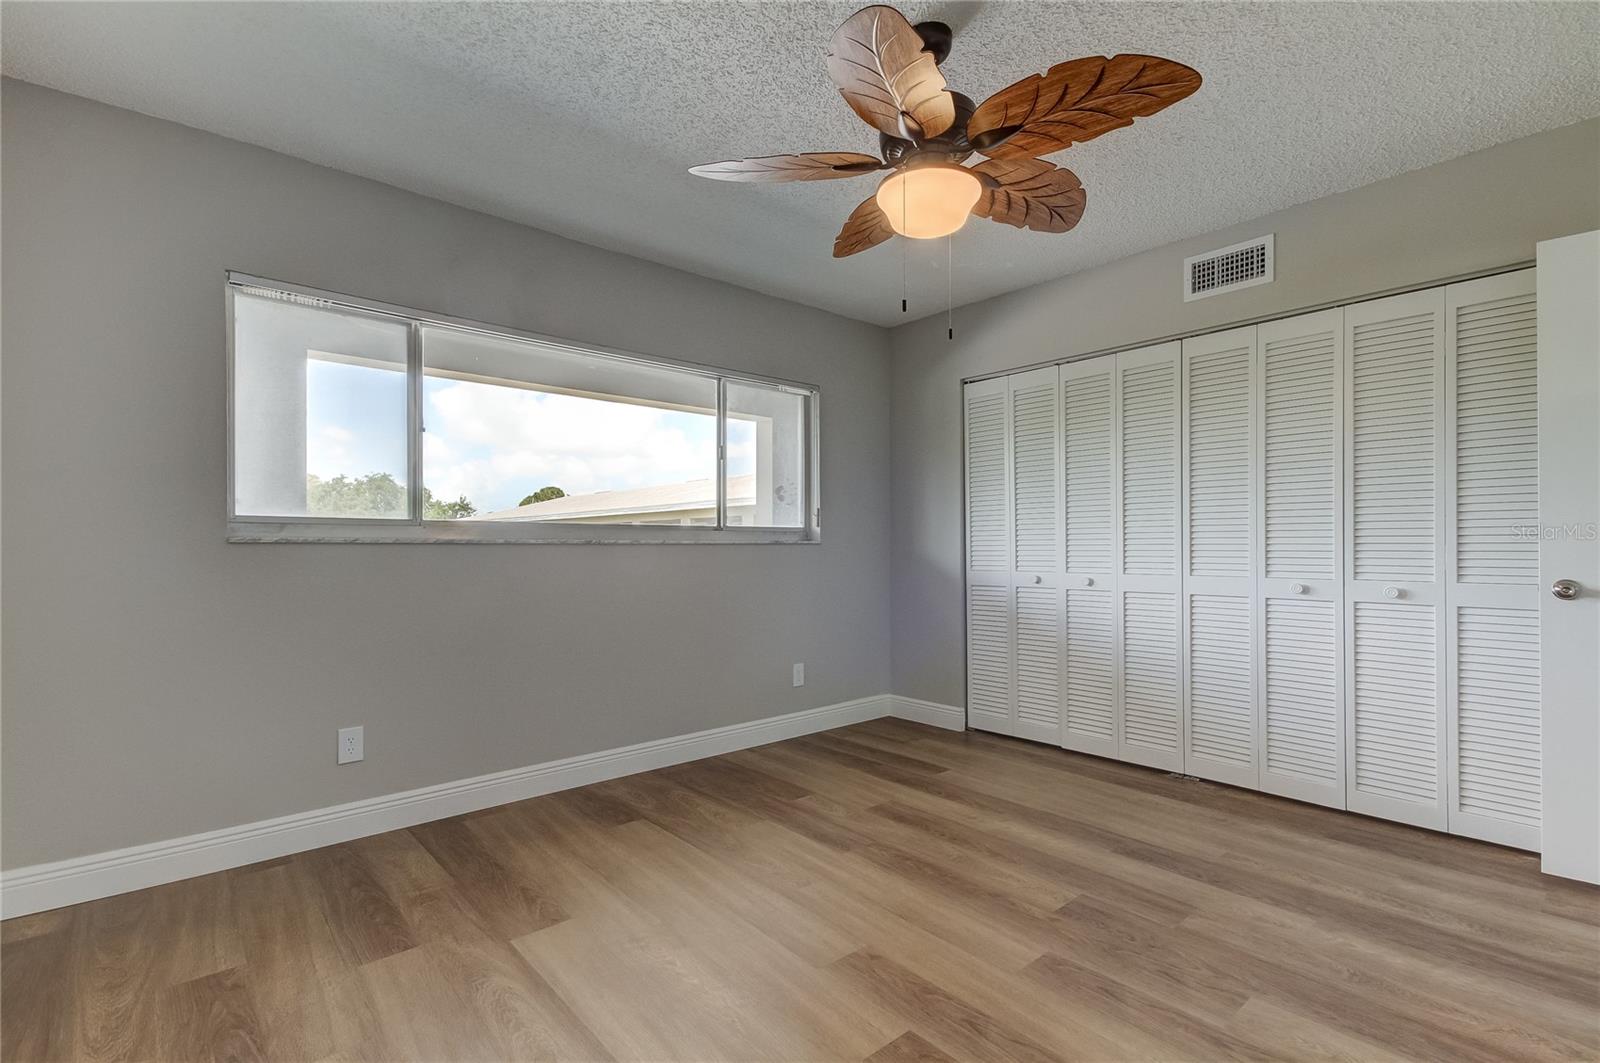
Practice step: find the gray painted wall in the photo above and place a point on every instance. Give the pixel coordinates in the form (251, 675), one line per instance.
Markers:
(1477, 212)
(159, 681)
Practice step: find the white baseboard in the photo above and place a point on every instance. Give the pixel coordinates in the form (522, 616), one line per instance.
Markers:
(950, 717)
(45, 886)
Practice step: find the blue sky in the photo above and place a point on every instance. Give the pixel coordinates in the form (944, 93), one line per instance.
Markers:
(496, 444)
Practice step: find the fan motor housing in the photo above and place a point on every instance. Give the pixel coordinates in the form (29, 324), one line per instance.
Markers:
(936, 38)
(950, 146)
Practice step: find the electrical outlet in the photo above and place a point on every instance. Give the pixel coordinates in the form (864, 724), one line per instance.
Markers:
(351, 745)
(799, 675)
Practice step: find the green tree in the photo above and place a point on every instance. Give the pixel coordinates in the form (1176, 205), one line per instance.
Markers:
(544, 494)
(373, 495)
(377, 494)
(433, 509)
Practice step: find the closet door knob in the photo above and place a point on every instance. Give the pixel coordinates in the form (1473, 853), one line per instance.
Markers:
(1038, 579)
(1565, 589)
(1393, 592)
(1297, 588)
(1088, 581)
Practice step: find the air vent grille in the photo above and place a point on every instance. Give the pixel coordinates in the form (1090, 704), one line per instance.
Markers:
(1228, 269)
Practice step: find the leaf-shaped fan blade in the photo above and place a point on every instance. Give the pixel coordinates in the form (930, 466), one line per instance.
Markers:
(866, 227)
(1030, 194)
(1076, 101)
(877, 60)
(812, 166)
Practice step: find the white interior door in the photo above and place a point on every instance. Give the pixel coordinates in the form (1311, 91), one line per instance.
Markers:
(1149, 535)
(990, 704)
(1035, 591)
(1569, 549)
(1219, 587)
(1089, 407)
(1394, 630)
(1300, 557)
(1492, 409)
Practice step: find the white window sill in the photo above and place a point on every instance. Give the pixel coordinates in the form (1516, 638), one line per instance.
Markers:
(466, 531)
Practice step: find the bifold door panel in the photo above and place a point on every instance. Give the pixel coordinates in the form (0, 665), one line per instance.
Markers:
(1292, 557)
(1088, 408)
(990, 704)
(1220, 374)
(1036, 620)
(1149, 530)
(1300, 557)
(1493, 620)
(1394, 472)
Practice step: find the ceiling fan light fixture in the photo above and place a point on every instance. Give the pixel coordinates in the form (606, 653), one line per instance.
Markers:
(926, 202)
(888, 71)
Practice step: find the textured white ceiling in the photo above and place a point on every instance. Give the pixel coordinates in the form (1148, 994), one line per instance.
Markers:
(581, 118)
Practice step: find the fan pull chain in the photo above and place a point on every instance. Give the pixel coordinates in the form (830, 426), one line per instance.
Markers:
(902, 248)
(903, 275)
(949, 288)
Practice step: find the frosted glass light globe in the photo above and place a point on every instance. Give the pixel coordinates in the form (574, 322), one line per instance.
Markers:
(925, 202)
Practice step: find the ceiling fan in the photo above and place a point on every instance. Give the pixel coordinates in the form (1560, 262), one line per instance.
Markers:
(888, 72)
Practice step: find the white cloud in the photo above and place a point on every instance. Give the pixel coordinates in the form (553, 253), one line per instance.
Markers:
(496, 444)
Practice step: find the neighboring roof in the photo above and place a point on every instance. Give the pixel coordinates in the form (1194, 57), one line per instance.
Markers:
(659, 498)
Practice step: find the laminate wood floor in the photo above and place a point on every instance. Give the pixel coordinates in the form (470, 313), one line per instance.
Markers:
(883, 892)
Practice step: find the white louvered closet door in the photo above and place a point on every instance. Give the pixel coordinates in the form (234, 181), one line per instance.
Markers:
(1300, 558)
(989, 548)
(1219, 596)
(1149, 534)
(1036, 606)
(1089, 409)
(1395, 638)
(1493, 560)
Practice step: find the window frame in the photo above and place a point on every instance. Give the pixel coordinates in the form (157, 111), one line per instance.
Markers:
(243, 528)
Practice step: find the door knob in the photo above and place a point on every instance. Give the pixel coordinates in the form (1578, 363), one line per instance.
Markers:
(1297, 588)
(1565, 589)
(1088, 581)
(1393, 592)
(1038, 579)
